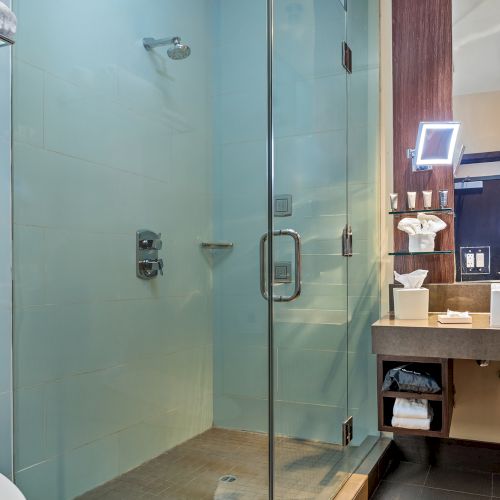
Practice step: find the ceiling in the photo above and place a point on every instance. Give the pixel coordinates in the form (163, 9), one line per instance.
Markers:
(476, 46)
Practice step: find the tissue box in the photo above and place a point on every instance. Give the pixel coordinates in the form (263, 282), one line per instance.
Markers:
(495, 306)
(421, 243)
(411, 303)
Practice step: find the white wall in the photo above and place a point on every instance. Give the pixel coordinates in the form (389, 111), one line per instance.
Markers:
(480, 131)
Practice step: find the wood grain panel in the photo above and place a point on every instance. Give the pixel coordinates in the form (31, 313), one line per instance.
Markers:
(422, 87)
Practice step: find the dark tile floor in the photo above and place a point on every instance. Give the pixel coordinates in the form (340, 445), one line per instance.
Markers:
(410, 481)
(305, 470)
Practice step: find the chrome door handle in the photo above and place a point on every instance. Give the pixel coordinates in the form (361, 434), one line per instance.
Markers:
(298, 266)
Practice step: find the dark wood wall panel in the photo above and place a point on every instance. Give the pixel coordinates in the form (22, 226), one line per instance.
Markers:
(422, 87)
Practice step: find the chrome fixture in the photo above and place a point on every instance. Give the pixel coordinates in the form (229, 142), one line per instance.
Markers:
(283, 205)
(298, 266)
(436, 144)
(148, 265)
(347, 241)
(220, 245)
(178, 50)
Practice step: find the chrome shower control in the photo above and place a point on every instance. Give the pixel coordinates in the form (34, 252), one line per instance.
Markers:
(148, 265)
(151, 268)
(150, 244)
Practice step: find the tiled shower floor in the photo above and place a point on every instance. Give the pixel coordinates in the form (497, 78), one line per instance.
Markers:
(304, 470)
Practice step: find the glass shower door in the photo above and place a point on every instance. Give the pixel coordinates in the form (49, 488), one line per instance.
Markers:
(310, 197)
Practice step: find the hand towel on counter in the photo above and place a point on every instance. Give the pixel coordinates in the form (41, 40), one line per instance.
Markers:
(411, 408)
(8, 21)
(423, 424)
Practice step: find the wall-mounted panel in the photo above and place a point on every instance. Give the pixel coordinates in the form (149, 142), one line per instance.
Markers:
(422, 86)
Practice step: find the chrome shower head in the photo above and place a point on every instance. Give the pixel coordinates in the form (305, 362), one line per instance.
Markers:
(177, 52)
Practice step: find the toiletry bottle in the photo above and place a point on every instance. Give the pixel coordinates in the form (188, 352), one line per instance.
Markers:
(412, 199)
(427, 199)
(394, 201)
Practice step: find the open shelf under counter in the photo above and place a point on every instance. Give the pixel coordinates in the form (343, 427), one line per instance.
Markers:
(442, 403)
(412, 395)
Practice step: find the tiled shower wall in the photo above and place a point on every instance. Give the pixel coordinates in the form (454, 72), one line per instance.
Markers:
(5, 265)
(110, 370)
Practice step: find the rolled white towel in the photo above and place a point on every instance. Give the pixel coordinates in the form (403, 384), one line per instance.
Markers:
(8, 21)
(411, 408)
(423, 424)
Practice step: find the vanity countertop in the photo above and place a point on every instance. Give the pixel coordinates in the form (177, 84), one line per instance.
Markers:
(428, 338)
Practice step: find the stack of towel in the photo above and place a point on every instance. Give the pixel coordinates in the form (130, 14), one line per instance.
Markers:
(412, 414)
(8, 21)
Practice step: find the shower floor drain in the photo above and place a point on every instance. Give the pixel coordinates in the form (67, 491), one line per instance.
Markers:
(227, 479)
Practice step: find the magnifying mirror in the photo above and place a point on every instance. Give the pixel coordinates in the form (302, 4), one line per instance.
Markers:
(436, 143)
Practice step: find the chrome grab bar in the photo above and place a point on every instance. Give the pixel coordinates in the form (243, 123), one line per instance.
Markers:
(217, 245)
(298, 266)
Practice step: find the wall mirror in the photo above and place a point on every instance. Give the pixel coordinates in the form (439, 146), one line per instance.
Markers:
(476, 104)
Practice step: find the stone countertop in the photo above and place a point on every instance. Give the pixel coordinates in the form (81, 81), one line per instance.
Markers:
(428, 338)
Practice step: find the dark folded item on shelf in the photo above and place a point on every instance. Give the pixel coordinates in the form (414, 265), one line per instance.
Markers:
(408, 378)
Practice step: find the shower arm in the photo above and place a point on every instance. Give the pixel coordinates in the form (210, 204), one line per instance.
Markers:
(151, 43)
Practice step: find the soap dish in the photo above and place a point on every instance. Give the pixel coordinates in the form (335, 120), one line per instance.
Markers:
(443, 318)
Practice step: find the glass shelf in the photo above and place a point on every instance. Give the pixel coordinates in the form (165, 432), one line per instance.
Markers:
(436, 252)
(425, 211)
(5, 41)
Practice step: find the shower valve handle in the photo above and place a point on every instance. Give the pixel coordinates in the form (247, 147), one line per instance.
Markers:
(151, 244)
(151, 266)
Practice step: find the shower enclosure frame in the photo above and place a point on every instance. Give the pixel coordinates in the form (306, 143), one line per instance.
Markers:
(270, 229)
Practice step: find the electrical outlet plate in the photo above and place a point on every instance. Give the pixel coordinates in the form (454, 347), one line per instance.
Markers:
(475, 260)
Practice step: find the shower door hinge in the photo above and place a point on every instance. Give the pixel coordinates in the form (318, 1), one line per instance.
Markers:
(347, 57)
(347, 241)
(347, 431)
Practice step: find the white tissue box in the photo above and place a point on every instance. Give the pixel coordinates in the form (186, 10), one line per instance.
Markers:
(421, 242)
(495, 306)
(411, 303)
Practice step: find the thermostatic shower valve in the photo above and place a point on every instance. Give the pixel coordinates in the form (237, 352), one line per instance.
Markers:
(148, 265)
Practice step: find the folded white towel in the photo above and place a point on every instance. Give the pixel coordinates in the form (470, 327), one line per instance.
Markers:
(411, 408)
(423, 424)
(8, 21)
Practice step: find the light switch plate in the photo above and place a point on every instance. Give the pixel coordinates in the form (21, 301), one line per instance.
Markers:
(283, 205)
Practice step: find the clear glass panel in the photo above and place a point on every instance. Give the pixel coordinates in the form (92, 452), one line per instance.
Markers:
(310, 107)
(326, 158)
(111, 370)
(363, 210)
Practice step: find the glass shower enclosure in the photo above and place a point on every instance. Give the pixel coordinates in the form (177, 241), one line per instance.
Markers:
(245, 138)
